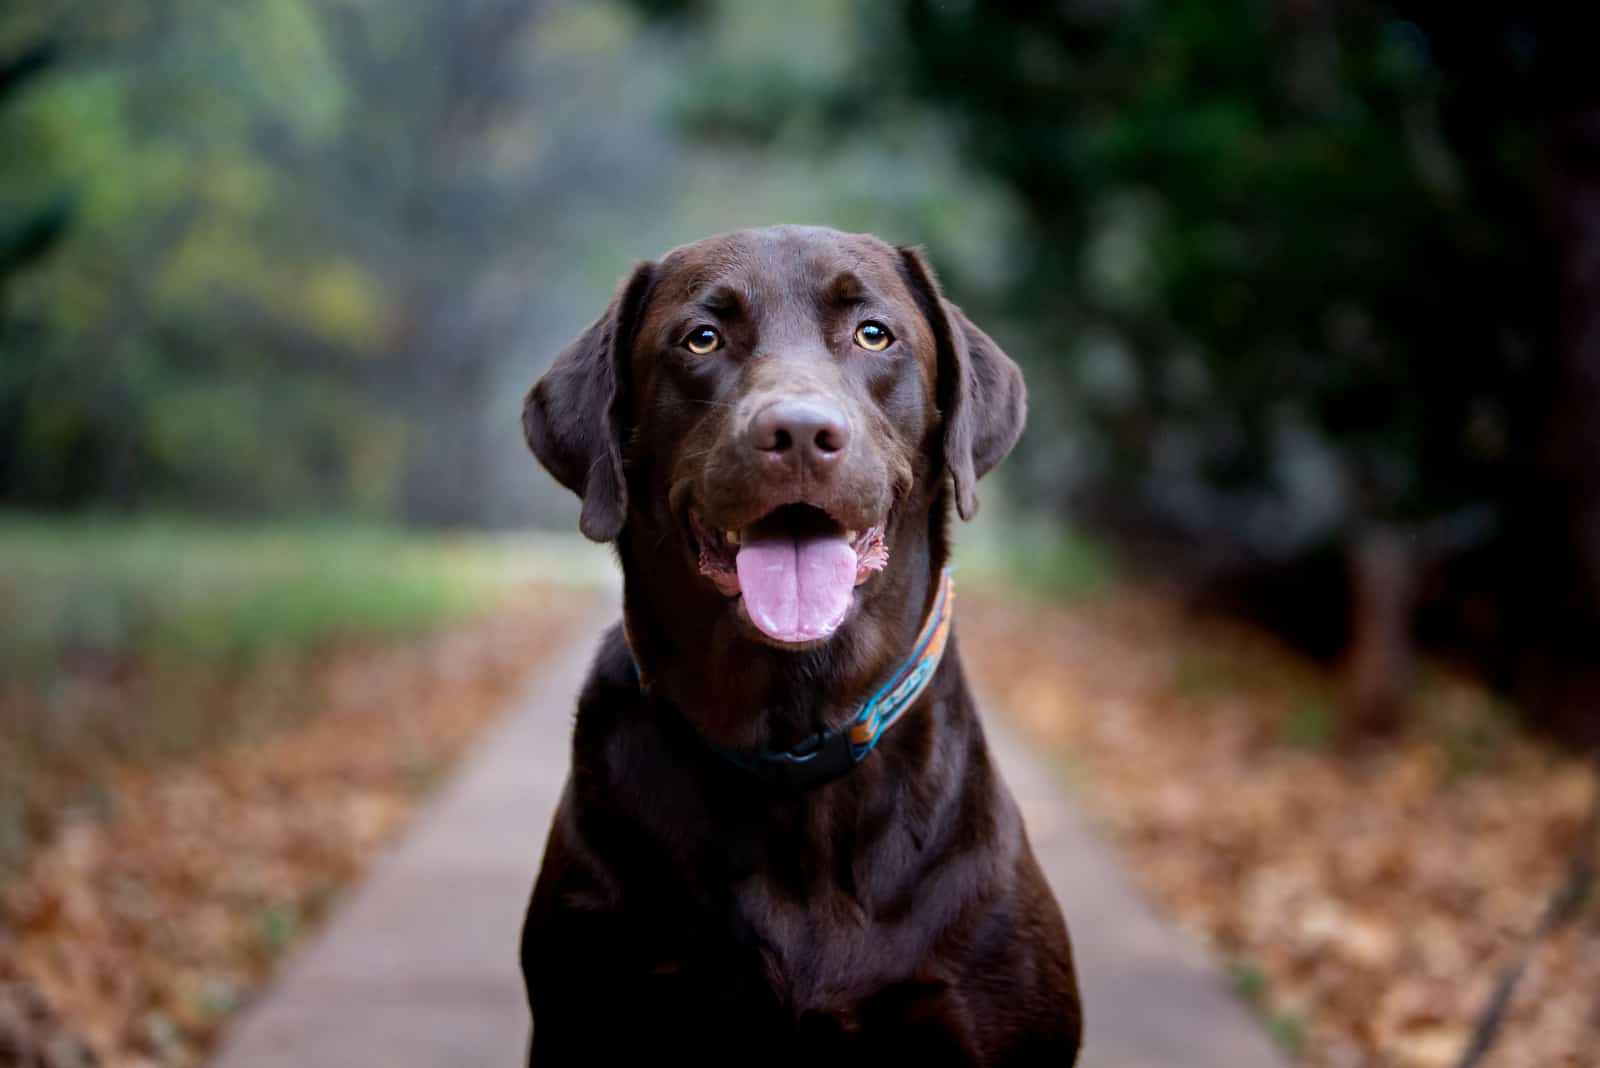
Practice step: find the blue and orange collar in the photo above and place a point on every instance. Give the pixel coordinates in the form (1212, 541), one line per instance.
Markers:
(831, 754)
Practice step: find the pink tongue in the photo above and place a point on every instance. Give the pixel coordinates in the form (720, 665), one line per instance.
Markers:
(796, 588)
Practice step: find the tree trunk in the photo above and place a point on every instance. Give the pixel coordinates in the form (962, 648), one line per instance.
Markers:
(1378, 664)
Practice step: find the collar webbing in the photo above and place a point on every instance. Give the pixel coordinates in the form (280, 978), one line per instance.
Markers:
(829, 754)
(895, 696)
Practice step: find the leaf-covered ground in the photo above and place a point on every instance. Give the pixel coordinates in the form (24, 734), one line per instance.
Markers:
(1364, 902)
(143, 921)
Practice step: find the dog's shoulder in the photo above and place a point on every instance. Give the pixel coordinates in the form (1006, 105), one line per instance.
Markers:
(611, 688)
(622, 747)
(610, 705)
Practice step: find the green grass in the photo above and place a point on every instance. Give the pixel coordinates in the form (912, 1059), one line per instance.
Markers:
(1252, 986)
(1203, 671)
(1288, 1029)
(171, 588)
(1311, 725)
(1249, 981)
(1036, 558)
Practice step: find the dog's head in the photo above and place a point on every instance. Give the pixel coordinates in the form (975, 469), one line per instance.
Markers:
(775, 406)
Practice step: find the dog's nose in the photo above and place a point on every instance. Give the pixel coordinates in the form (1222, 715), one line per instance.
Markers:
(809, 430)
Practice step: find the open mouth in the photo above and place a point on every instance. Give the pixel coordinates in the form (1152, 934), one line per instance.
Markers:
(795, 568)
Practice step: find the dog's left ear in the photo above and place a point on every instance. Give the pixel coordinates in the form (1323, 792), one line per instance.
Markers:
(980, 392)
(573, 417)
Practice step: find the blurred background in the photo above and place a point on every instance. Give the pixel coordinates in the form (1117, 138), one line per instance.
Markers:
(1308, 509)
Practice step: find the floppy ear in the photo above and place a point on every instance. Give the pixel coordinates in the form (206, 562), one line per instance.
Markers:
(981, 396)
(573, 417)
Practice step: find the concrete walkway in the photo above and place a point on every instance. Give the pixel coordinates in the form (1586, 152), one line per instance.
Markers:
(1151, 997)
(418, 966)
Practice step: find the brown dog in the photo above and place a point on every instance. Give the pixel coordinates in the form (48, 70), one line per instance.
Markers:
(783, 840)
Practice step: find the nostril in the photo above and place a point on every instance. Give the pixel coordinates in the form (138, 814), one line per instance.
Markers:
(830, 439)
(769, 431)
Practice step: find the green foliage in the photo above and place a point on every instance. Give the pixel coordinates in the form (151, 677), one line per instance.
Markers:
(1252, 985)
(1036, 558)
(183, 342)
(1471, 733)
(1311, 724)
(269, 253)
(1207, 672)
(1249, 981)
(1061, 563)
(278, 925)
(1288, 1029)
(1269, 217)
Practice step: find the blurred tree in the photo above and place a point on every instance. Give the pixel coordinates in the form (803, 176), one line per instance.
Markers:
(426, 172)
(183, 340)
(302, 246)
(30, 224)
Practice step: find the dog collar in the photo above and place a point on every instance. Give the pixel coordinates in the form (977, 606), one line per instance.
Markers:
(830, 754)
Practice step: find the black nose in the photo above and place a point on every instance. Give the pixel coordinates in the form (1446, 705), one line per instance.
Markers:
(810, 430)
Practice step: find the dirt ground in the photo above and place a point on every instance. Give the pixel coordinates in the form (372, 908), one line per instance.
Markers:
(1366, 901)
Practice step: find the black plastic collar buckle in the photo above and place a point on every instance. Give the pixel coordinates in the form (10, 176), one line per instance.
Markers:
(822, 758)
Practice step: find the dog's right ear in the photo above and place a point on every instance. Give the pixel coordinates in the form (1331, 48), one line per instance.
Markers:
(574, 416)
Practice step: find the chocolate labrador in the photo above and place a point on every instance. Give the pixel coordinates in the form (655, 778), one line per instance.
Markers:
(783, 840)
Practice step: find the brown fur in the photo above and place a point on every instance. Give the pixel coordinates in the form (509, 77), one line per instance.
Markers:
(685, 910)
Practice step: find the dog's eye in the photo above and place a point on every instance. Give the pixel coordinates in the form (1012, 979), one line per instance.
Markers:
(702, 340)
(873, 336)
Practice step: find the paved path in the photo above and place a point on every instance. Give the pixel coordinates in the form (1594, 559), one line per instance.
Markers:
(417, 967)
(1151, 998)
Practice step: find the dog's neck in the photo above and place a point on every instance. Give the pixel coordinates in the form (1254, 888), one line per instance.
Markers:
(741, 694)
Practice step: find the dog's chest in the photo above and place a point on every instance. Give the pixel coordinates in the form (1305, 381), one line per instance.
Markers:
(832, 926)
(808, 906)
(815, 951)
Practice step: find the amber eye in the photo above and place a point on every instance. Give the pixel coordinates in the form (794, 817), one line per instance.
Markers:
(702, 340)
(873, 336)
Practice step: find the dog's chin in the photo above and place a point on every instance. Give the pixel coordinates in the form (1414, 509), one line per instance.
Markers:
(791, 575)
